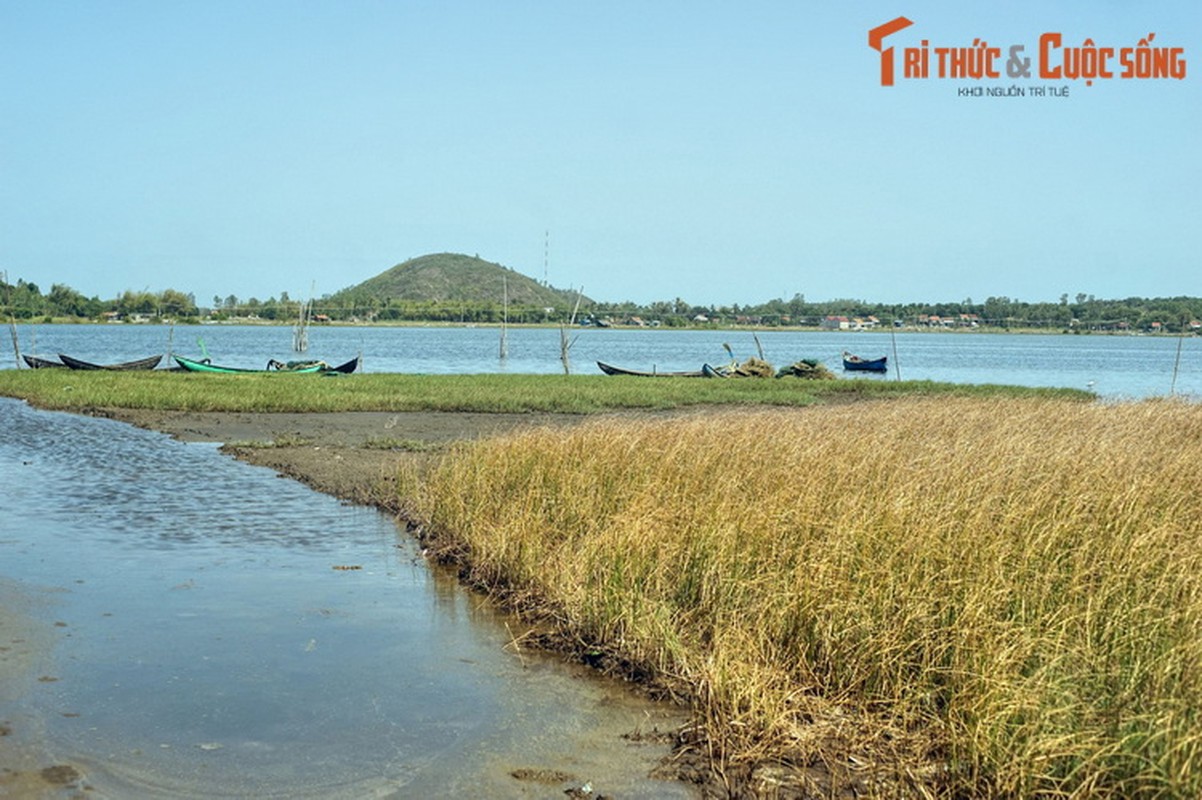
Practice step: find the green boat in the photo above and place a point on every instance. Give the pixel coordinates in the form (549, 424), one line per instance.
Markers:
(273, 366)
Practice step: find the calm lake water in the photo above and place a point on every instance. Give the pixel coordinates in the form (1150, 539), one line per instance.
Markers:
(202, 642)
(1112, 366)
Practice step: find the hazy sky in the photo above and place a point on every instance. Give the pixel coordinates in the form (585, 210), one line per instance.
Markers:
(720, 152)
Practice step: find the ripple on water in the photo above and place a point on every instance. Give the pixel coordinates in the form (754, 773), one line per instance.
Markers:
(211, 648)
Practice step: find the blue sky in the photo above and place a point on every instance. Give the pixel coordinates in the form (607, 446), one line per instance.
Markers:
(718, 152)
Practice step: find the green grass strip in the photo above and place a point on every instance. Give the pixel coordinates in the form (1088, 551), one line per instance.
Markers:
(572, 394)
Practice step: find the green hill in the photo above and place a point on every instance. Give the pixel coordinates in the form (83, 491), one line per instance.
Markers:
(456, 278)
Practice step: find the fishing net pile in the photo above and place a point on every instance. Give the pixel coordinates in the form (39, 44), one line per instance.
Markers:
(809, 368)
(755, 368)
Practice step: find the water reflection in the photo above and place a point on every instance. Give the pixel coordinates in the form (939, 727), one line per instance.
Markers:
(208, 645)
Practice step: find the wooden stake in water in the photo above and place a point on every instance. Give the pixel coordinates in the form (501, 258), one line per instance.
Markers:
(12, 327)
(12, 321)
(896, 363)
(564, 344)
(1177, 362)
(504, 317)
(300, 333)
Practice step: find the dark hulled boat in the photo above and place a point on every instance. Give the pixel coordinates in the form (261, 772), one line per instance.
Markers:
(140, 364)
(610, 369)
(37, 362)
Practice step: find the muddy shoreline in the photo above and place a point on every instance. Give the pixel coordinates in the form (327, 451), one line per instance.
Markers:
(350, 455)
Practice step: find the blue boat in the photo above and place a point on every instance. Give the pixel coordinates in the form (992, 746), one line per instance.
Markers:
(854, 362)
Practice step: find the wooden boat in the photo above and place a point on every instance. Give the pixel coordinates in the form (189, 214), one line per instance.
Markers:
(340, 369)
(35, 362)
(610, 369)
(348, 367)
(854, 362)
(748, 369)
(125, 366)
(272, 366)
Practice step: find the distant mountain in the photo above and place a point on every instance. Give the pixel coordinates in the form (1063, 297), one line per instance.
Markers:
(454, 277)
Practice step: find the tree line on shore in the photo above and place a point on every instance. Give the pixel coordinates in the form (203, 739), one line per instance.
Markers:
(26, 302)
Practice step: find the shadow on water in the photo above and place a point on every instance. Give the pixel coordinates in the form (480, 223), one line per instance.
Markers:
(179, 624)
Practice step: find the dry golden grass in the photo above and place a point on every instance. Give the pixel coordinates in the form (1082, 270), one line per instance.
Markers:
(980, 597)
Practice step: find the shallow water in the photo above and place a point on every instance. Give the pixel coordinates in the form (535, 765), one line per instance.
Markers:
(206, 643)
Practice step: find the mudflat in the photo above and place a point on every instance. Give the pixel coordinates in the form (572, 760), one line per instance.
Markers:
(351, 455)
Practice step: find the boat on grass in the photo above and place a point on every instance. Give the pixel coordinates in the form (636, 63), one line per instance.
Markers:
(610, 369)
(751, 368)
(855, 363)
(125, 366)
(350, 366)
(37, 362)
(273, 366)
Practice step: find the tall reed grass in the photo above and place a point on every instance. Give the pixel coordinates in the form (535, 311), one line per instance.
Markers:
(969, 597)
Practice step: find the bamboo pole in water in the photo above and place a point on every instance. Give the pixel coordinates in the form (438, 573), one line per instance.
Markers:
(564, 344)
(300, 333)
(1177, 361)
(12, 325)
(12, 321)
(504, 317)
(896, 363)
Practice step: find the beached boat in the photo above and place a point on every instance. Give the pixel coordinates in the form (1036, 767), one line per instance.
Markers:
(751, 368)
(36, 362)
(273, 366)
(710, 371)
(293, 366)
(610, 369)
(125, 366)
(348, 367)
(854, 362)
